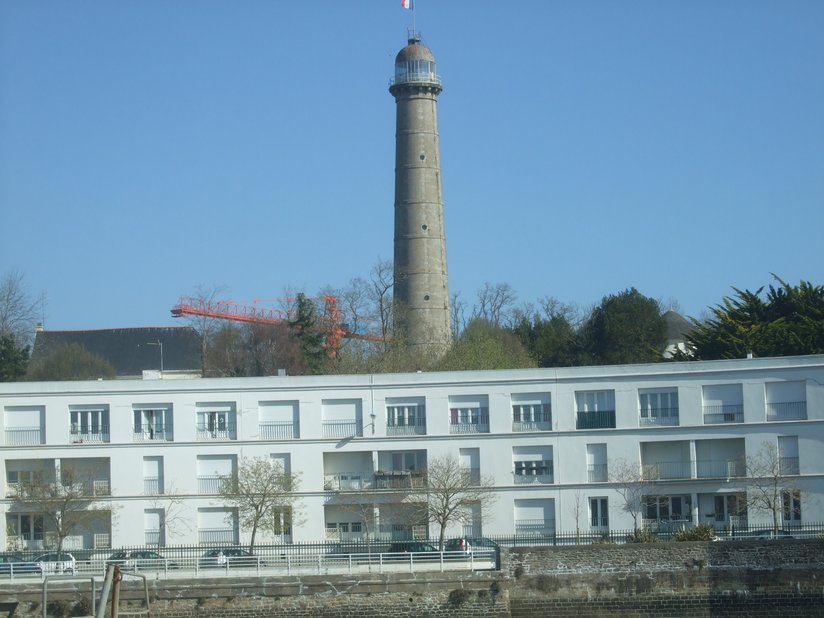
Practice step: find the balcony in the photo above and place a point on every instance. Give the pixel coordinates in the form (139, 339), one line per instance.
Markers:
(342, 429)
(152, 486)
(80, 436)
(206, 432)
(659, 417)
(788, 466)
(539, 422)
(278, 430)
(211, 484)
(477, 424)
(721, 468)
(399, 479)
(217, 536)
(539, 478)
(347, 481)
(602, 419)
(667, 470)
(787, 411)
(717, 415)
(153, 433)
(597, 473)
(535, 527)
(415, 427)
(153, 538)
(22, 436)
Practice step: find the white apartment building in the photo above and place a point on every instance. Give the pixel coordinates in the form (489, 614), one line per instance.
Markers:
(155, 450)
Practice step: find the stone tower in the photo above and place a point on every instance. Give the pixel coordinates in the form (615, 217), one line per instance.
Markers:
(421, 289)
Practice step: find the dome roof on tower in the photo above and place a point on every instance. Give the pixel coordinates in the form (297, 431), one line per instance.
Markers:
(414, 51)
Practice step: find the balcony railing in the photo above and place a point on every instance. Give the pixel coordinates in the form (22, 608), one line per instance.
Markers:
(278, 430)
(599, 523)
(20, 436)
(153, 538)
(537, 478)
(151, 433)
(342, 429)
(415, 428)
(716, 415)
(655, 417)
(89, 437)
(534, 527)
(541, 421)
(210, 484)
(217, 536)
(152, 486)
(787, 411)
(597, 473)
(720, 468)
(399, 479)
(602, 419)
(666, 470)
(479, 424)
(204, 432)
(788, 466)
(347, 481)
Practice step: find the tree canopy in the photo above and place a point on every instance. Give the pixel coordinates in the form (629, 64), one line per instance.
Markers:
(786, 321)
(483, 345)
(70, 362)
(13, 359)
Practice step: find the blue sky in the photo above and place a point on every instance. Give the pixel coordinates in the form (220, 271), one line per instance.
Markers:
(151, 146)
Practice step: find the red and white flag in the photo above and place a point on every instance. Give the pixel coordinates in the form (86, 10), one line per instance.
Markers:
(407, 4)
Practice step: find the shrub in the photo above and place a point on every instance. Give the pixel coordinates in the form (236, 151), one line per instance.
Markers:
(701, 532)
(642, 536)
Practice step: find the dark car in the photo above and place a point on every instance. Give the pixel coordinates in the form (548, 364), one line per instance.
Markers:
(411, 547)
(12, 563)
(230, 557)
(141, 560)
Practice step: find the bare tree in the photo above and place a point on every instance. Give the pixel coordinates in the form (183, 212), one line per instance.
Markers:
(495, 304)
(452, 493)
(632, 485)
(68, 501)
(381, 279)
(261, 492)
(772, 486)
(578, 505)
(205, 326)
(173, 506)
(19, 312)
(457, 308)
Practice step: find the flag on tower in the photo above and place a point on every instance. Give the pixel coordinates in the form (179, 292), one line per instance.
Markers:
(407, 4)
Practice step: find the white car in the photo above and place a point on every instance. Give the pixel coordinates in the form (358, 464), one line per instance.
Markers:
(53, 562)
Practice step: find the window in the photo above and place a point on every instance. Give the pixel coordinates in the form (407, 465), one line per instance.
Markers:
(405, 418)
(152, 476)
(723, 403)
(668, 508)
(468, 415)
(89, 424)
(342, 418)
(531, 412)
(216, 421)
(25, 425)
(596, 463)
(595, 409)
(25, 528)
(153, 422)
(213, 470)
(532, 464)
(788, 464)
(278, 420)
(791, 506)
(598, 513)
(658, 406)
(786, 401)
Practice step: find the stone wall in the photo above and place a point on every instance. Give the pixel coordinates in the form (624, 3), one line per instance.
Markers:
(772, 578)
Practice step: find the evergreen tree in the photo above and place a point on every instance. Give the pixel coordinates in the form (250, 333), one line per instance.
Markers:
(13, 359)
(308, 332)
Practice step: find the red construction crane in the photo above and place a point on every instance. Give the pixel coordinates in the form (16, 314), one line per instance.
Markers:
(329, 321)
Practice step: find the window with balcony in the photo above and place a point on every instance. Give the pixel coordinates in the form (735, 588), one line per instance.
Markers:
(153, 476)
(213, 471)
(153, 528)
(217, 526)
(25, 531)
(342, 418)
(216, 421)
(791, 507)
(535, 517)
(720, 458)
(468, 415)
(658, 406)
(531, 412)
(599, 514)
(786, 401)
(153, 422)
(597, 463)
(532, 464)
(470, 461)
(400, 470)
(723, 403)
(595, 409)
(788, 455)
(24, 425)
(666, 512)
(278, 420)
(88, 424)
(405, 417)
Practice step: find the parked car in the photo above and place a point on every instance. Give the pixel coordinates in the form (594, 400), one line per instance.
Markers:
(230, 557)
(773, 534)
(141, 560)
(54, 562)
(470, 545)
(12, 563)
(411, 547)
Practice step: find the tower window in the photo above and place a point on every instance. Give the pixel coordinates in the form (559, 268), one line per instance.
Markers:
(422, 157)
(424, 227)
(426, 297)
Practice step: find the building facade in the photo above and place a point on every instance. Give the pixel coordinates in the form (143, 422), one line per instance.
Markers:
(151, 453)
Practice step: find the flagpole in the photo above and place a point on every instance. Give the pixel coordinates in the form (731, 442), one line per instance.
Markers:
(414, 29)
